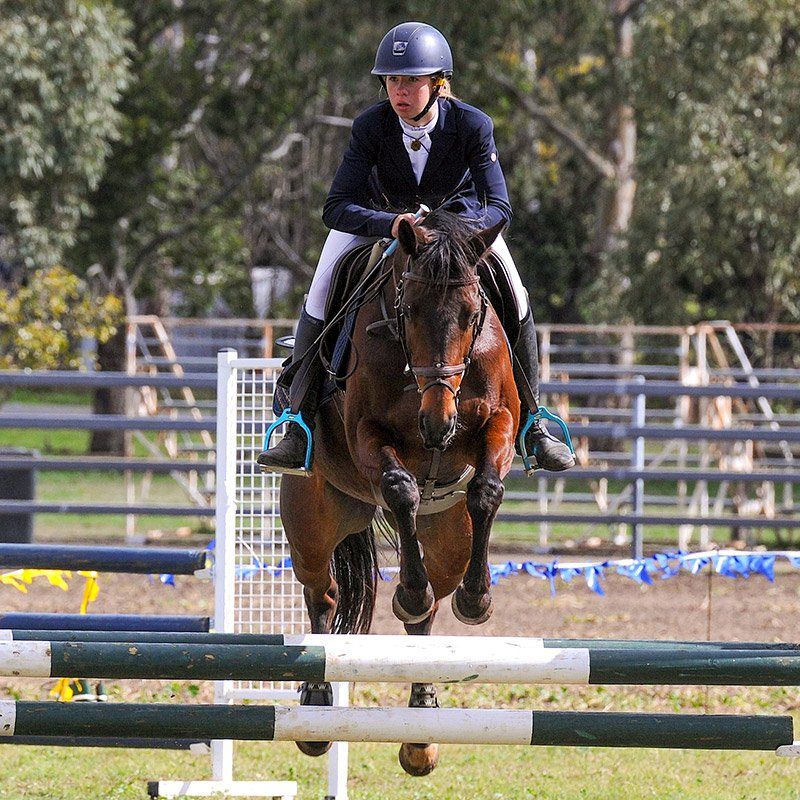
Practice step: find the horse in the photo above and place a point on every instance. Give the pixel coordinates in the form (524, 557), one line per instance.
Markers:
(433, 460)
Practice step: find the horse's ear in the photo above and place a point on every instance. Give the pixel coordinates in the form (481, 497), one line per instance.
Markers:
(481, 241)
(407, 235)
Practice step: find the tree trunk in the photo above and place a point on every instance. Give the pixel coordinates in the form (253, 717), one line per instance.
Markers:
(110, 358)
(615, 201)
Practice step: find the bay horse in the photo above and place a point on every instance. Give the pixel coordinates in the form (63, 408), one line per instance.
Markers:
(380, 445)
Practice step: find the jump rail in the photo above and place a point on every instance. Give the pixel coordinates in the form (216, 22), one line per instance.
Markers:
(175, 623)
(131, 560)
(447, 725)
(479, 643)
(194, 745)
(413, 662)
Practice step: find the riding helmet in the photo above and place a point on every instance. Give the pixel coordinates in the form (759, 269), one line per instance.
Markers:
(413, 48)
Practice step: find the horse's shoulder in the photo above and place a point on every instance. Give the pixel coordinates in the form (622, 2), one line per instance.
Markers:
(492, 343)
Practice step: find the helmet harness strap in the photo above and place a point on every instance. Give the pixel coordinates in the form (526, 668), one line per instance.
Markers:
(440, 83)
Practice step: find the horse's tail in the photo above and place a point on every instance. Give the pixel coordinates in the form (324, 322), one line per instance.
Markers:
(355, 569)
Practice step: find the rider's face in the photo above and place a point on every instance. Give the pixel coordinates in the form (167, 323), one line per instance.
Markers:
(409, 94)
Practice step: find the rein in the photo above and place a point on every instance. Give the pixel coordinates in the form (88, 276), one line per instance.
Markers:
(439, 372)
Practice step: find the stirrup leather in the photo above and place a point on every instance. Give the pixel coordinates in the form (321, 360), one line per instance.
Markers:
(529, 460)
(288, 416)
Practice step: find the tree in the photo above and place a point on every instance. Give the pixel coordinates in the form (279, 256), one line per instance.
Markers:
(191, 197)
(215, 164)
(715, 234)
(62, 67)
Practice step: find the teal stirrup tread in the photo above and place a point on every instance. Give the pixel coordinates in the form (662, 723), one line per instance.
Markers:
(288, 416)
(542, 413)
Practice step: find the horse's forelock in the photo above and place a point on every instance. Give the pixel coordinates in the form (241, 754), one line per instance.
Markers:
(447, 256)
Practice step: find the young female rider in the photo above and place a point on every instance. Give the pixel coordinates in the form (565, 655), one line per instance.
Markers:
(419, 146)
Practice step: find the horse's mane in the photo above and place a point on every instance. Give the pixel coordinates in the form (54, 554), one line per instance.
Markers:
(447, 256)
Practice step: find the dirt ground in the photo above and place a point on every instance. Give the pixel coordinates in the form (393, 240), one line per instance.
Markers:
(740, 609)
(678, 608)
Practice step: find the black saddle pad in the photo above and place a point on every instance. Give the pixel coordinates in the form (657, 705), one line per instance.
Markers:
(335, 348)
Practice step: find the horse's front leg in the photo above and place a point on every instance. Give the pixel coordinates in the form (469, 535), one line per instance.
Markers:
(421, 758)
(413, 599)
(472, 600)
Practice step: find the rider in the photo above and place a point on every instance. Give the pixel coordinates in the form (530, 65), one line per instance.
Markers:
(421, 145)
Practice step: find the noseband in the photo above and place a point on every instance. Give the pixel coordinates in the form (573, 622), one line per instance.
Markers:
(439, 372)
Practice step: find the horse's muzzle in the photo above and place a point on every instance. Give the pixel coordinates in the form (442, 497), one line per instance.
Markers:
(437, 432)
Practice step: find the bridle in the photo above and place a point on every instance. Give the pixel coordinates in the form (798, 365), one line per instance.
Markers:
(440, 373)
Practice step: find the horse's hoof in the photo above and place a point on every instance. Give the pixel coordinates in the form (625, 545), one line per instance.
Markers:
(471, 610)
(313, 748)
(419, 759)
(409, 617)
(315, 694)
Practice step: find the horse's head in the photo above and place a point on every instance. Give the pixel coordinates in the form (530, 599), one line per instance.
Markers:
(440, 309)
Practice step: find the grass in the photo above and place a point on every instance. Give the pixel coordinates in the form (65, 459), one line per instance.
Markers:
(47, 442)
(109, 487)
(481, 773)
(545, 773)
(54, 396)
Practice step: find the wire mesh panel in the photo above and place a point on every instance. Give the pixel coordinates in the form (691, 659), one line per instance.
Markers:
(266, 598)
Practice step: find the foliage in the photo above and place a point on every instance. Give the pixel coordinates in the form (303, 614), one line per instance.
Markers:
(564, 63)
(235, 117)
(62, 67)
(222, 161)
(716, 234)
(42, 324)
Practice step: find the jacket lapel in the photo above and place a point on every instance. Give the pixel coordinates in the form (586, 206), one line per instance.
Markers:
(398, 153)
(442, 140)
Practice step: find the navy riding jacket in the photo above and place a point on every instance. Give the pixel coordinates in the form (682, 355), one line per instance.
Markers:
(375, 181)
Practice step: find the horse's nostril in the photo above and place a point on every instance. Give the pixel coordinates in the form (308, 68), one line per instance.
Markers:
(437, 433)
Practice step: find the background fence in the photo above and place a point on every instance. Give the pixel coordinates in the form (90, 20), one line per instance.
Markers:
(679, 436)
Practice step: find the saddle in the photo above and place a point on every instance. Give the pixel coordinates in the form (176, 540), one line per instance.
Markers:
(347, 275)
(334, 349)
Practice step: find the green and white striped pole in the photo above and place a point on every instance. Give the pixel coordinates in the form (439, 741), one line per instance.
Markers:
(447, 725)
(320, 640)
(408, 660)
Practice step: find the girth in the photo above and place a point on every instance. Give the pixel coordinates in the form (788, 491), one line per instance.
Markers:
(435, 496)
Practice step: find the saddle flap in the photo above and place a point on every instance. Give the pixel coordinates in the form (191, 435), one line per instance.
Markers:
(501, 295)
(347, 274)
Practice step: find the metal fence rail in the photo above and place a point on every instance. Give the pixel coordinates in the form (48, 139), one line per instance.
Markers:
(650, 449)
(48, 379)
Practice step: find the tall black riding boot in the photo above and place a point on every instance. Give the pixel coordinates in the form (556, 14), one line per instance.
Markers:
(289, 455)
(548, 452)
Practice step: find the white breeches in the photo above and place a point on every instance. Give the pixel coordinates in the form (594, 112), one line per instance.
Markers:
(338, 243)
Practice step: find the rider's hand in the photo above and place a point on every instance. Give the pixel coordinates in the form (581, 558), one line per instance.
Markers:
(410, 218)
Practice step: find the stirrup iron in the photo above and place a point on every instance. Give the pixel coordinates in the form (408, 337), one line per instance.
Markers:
(529, 460)
(288, 416)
